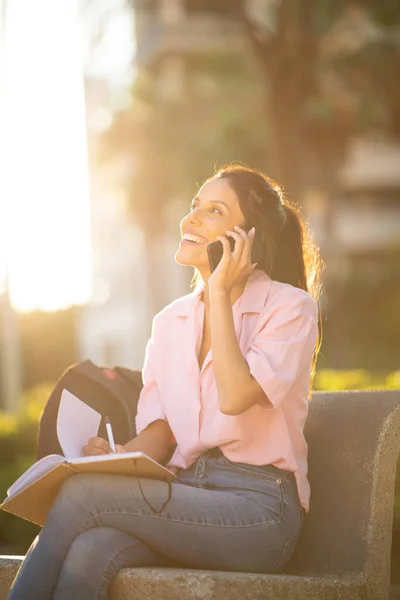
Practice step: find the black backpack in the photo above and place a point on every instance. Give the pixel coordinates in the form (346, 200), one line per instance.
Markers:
(111, 392)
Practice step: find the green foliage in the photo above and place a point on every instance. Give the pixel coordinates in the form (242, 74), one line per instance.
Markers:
(17, 452)
(355, 379)
(16, 535)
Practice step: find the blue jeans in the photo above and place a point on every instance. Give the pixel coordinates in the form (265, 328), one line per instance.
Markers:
(216, 515)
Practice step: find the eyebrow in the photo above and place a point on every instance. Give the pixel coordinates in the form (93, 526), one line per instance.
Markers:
(214, 202)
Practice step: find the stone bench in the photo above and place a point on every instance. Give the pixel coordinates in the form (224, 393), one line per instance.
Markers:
(344, 548)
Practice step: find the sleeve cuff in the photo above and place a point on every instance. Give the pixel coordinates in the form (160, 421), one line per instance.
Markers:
(143, 419)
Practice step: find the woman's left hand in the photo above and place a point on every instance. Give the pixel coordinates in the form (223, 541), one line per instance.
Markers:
(236, 265)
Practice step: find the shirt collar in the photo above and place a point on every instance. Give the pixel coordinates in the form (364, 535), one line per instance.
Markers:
(254, 295)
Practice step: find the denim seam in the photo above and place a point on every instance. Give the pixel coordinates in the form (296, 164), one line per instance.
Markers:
(266, 476)
(112, 562)
(289, 541)
(165, 518)
(284, 478)
(293, 534)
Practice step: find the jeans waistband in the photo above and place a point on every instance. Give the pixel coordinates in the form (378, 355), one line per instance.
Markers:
(217, 452)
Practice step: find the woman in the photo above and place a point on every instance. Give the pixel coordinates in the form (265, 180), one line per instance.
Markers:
(226, 378)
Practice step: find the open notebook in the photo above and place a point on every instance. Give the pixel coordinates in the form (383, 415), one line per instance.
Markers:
(32, 495)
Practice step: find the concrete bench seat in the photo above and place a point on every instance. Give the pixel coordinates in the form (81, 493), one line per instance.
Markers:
(191, 584)
(344, 548)
(173, 584)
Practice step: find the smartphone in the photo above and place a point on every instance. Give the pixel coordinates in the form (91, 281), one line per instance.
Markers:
(215, 251)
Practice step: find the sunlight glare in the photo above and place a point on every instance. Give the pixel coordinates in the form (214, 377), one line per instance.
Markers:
(44, 183)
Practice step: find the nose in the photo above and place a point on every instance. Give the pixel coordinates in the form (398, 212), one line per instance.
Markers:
(194, 217)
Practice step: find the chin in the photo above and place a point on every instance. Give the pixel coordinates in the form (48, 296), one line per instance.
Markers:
(188, 261)
(182, 260)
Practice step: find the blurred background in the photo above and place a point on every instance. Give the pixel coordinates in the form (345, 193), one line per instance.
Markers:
(114, 111)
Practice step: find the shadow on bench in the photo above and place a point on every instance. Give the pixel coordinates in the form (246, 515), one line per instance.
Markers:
(344, 549)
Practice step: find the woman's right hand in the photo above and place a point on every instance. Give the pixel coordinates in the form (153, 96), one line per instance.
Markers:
(120, 448)
(96, 446)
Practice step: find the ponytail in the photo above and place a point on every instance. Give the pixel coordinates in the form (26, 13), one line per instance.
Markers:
(288, 266)
(297, 262)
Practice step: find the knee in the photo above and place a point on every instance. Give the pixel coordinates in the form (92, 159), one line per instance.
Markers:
(92, 550)
(83, 550)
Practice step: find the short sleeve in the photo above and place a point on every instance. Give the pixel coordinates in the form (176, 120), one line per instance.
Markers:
(282, 352)
(149, 405)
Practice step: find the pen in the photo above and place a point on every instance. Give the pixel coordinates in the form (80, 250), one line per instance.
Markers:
(110, 435)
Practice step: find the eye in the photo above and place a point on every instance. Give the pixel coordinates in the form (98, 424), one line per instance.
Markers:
(193, 206)
(217, 209)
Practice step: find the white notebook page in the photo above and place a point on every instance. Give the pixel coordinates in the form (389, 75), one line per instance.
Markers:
(35, 471)
(76, 423)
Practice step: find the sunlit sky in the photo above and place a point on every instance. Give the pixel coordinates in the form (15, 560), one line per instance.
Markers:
(44, 198)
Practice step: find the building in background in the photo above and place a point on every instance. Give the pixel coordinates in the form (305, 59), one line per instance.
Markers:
(367, 224)
(365, 228)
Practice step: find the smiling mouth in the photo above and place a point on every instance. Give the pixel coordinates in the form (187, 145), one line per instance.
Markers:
(193, 239)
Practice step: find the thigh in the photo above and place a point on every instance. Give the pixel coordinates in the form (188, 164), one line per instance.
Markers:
(199, 528)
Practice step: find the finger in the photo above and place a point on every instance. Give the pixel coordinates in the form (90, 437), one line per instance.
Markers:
(239, 244)
(93, 451)
(85, 450)
(226, 253)
(98, 442)
(95, 440)
(242, 232)
(246, 255)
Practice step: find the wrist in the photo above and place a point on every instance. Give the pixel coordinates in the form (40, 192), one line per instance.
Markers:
(218, 293)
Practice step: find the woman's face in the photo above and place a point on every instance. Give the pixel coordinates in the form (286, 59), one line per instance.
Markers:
(214, 210)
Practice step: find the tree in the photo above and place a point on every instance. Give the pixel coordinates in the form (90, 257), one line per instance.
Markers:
(328, 69)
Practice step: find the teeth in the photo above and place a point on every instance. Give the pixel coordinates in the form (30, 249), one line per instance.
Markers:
(193, 238)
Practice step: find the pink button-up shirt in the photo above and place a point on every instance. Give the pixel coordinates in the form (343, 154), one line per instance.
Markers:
(277, 327)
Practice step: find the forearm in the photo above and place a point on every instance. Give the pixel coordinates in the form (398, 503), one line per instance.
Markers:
(237, 388)
(154, 440)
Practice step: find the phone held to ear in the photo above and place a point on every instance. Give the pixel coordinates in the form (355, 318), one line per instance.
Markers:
(215, 251)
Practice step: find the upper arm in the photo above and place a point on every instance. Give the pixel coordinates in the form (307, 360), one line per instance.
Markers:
(150, 406)
(283, 348)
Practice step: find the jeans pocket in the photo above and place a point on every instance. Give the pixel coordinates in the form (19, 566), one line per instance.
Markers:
(268, 472)
(262, 485)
